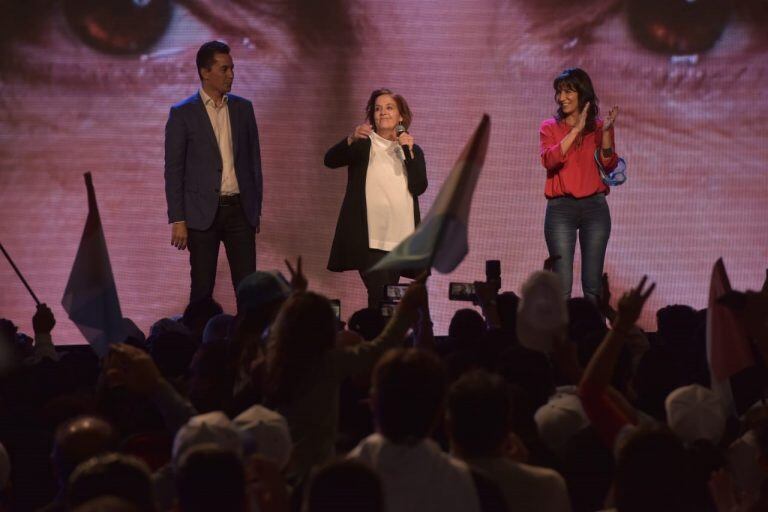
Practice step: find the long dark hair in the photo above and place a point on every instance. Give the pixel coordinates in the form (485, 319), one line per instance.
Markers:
(576, 79)
(304, 330)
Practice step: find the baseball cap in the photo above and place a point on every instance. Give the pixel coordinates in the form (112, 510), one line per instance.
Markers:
(260, 288)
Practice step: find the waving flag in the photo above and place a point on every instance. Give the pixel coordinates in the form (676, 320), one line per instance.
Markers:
(90, 297)
(441, 239)
(728, 348)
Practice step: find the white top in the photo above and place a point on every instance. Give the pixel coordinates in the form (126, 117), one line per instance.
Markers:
(219, 116)
(419, 478)
(389, 204)
(526, 488)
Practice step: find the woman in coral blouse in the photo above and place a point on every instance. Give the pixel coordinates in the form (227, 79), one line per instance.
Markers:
(571, 144)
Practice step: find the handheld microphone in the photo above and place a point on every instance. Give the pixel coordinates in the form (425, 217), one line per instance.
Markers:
(400, 129)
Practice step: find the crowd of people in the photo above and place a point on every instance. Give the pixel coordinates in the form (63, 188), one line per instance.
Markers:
(531, 403)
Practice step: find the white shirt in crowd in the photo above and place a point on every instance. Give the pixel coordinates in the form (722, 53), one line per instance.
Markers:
(525, 488)
(389, 204)
(418, 478)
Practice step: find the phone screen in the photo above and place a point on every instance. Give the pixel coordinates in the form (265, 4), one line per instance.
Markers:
(336, 305)
(395, 291)
(461, 291)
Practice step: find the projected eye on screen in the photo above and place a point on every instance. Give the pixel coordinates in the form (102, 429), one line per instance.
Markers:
(86, 88)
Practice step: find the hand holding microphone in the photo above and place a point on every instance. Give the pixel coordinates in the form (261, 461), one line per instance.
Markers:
(406, 141)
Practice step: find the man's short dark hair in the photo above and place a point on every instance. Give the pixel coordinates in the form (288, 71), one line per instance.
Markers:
(79, 439)
(344, 485)
(654, 472)
(206, 55)
(480, 412)
(112, 474)
(467, 325)
(408, 392)
(210, 478)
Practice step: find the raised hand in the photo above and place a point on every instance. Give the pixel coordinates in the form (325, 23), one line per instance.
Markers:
(631, 304)
(361, 131)
(485, 293)
(583, 115)
(611, 118)
(415, 298)
(43, 320)
(299, 281)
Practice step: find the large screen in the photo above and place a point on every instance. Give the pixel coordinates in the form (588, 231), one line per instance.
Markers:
(87, 86)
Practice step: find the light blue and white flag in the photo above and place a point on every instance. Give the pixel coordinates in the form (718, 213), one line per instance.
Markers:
(90, 297)
(441, 240)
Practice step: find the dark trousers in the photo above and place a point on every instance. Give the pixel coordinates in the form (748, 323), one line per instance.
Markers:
(591, 220)
(233, 229)
(376, 281)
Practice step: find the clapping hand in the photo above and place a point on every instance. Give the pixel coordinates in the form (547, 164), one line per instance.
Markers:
(611, 118)
(583, 115)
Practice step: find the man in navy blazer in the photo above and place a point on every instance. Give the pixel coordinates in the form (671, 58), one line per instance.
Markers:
(213, 182)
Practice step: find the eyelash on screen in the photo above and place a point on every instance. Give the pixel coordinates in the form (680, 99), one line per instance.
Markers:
(45, 48)
(596, 34)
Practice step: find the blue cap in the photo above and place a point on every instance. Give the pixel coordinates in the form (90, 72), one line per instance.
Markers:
(261, 288)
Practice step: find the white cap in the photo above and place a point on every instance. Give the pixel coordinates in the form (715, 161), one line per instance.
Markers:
(560, 419)
(695, 412)
(541, 312)
(214, 428)
(266, 433)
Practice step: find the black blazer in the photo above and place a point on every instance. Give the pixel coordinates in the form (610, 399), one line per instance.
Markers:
(350, 243)
(193, 162)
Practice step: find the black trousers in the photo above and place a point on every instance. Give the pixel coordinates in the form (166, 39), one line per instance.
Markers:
(376, 281)
(233, 229)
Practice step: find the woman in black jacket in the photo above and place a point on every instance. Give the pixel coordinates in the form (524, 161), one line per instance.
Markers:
(386, 173)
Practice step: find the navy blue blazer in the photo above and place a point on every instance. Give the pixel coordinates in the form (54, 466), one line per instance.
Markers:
(193, 162)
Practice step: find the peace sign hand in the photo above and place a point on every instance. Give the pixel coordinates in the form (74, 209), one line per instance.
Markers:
(299, 281)
(631, 304)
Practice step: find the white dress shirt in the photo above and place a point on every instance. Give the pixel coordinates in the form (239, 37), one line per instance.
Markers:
(219, 116)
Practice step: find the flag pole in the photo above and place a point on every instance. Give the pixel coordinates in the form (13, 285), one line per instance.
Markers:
(18, 273)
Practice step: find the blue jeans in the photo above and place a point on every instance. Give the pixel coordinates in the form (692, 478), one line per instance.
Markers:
(589, 217)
